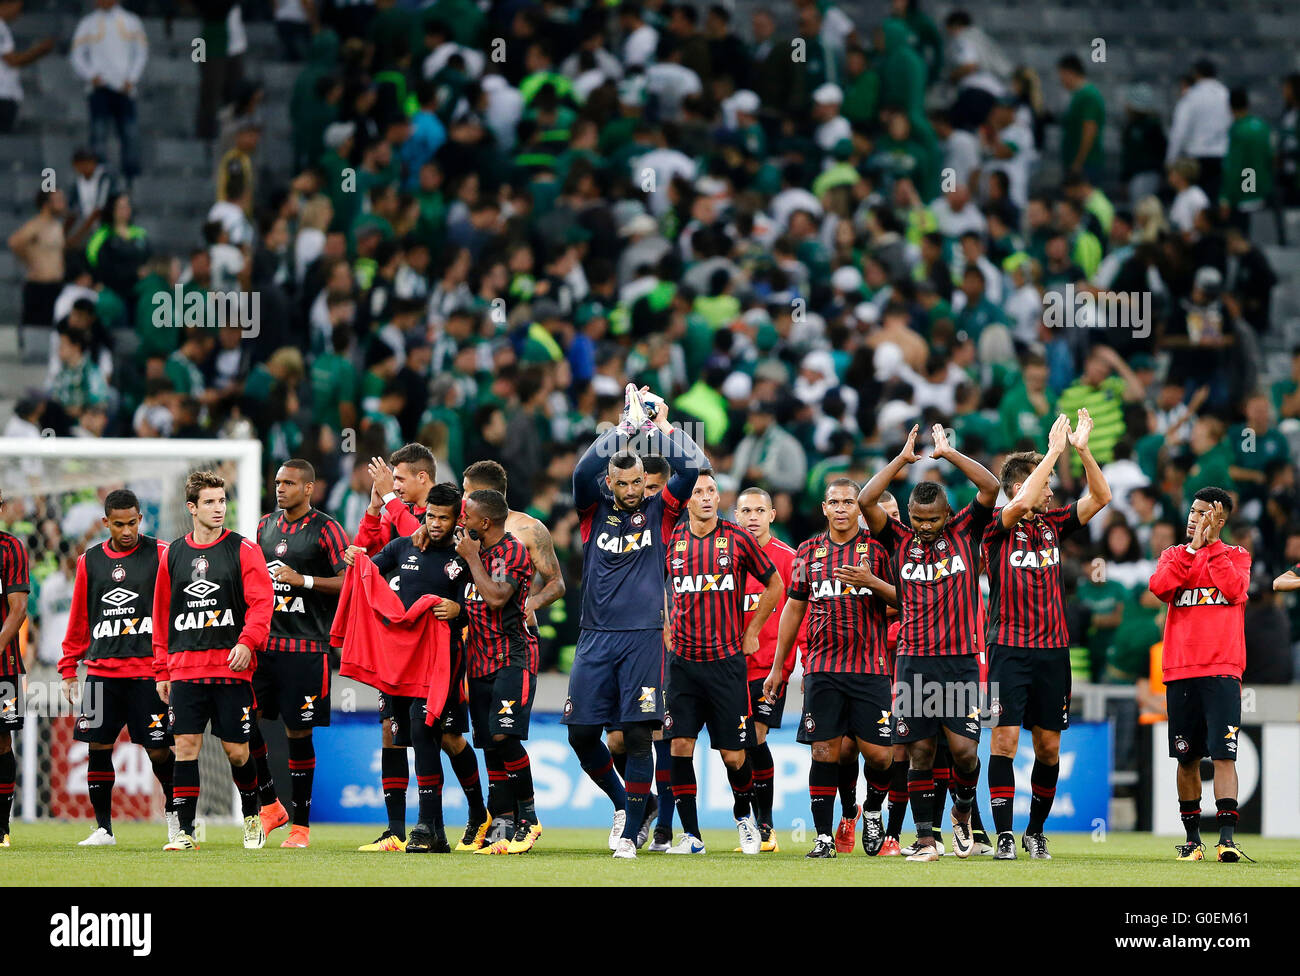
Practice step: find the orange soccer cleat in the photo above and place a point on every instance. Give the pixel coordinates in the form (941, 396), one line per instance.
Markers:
(273, 815)
(298, 837)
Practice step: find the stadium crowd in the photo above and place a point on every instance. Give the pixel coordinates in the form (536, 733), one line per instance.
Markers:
(500, 214)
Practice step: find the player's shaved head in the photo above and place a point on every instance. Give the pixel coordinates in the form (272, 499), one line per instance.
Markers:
(840, 506)
(485, 474)
(755, 490)
(755, 513)
(657, 472)
(490, 505)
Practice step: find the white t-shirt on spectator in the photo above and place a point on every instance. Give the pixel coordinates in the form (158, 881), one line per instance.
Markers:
(787, 202)
(640, 46)
(474, 60)
(227, 265)
(954, 223)
(666, 164)
(1183, 211)
(11, 87)
(234, 220)
(961, 153)
(966, 50)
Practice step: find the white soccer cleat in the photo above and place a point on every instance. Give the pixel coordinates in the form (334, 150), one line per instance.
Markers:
(689, 844)
(254, 835)
(99, 838)
(962, 840)
(183, 842)
(750, 839)
(660, 846)
(173, 821)
(626, 849)
(616, 829)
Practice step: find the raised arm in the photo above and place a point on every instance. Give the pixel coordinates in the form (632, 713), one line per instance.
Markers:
(1098, 496)
(1018, 507)
(869, 496)
(984, 480)
(592, 466)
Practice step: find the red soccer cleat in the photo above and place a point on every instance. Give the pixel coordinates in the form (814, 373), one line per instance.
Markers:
(846, 834)
(890, 848)
(273, 815)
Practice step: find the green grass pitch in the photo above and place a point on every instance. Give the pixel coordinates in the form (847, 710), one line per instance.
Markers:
(46, 854)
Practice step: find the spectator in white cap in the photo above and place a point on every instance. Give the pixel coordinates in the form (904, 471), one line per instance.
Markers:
(831, 126)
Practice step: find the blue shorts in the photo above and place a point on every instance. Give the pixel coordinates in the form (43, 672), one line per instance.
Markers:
(617, 677)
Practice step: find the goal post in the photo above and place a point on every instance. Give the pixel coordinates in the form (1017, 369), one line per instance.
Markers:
(53, 489)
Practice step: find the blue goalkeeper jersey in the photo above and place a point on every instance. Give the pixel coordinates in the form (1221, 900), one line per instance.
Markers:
(624, 552)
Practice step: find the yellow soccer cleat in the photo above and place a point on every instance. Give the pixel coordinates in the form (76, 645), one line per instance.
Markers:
(1230, 853)
(475, 837)
(501, 846)
(183, 842)
(1190, 852)
(4, 841)
(386, 842)
(525, 838)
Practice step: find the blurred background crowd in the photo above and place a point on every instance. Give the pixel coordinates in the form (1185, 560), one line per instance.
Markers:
(807, 229)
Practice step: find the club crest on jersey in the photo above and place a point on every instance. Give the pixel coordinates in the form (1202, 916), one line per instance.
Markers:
(929, 572)
(568, 707)
(668, 722)
(902, 728)
(1035, 558)
(200, 565)
(638, 520)
(452, 569)
(704, 582)
(722, 561)
(1201, 596)
(1047, 534)
(809, 725)
(1180, 745)
(119, 573)
(282, 547)
(995, 707)
(941, 545)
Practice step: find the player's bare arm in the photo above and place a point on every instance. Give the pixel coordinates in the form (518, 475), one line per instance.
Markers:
(446, 610)
(787, 633)
(1032, 489)
(862, 577)
(763, 610)
(333, 585)
(1287, 582)
(1098, 496)
(984, 480)
(869, 497)
(541, 549)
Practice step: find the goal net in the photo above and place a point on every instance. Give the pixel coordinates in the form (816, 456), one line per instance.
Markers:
(54, 490)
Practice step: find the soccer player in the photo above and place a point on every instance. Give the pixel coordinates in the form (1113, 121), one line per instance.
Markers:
(660, 808)
(755, 514)
(502, 668)
(397, 500)
(1205, 583)
(618, 668)
(937, 680)
(841, 583)
(547, 587)
(1029, 646)
(214, 592)
(709, 559)
(15, 584)
(110, 626)
(413, 573)
(303, 548)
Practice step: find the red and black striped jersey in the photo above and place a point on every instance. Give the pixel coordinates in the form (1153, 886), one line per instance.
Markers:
(14, 578)
(1026, 601)
(312, 545)
(497, 637)
(708, 577)
(938, 584)
(847, 629)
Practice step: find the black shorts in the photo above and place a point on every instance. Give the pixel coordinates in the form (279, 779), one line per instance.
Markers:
(712, 693)
(1204, 717)
(228, 707)
(13, 703)
(294, 686)
(934, 692)
(396, 711)
(501, 703)
(1030, 687)
(455, 714)
(107, 704)
(837, 704)
(768, 712)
